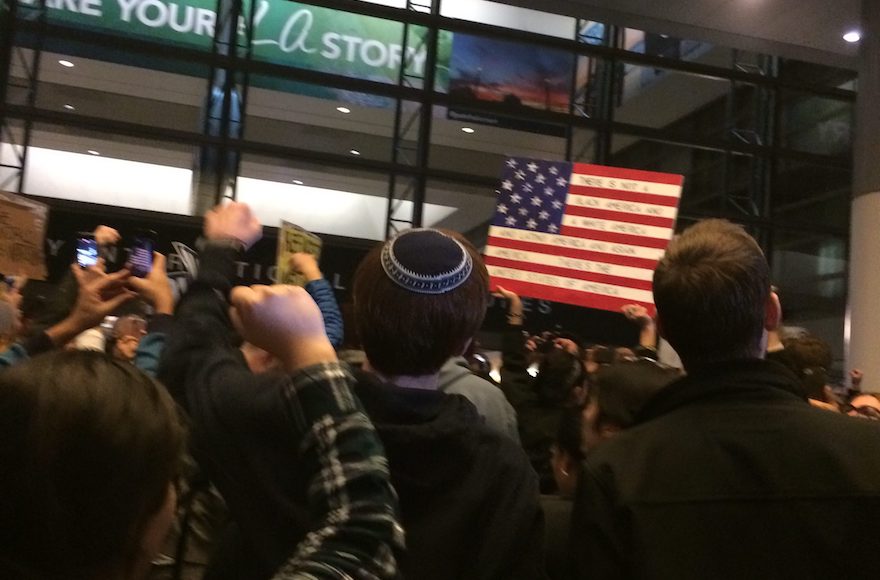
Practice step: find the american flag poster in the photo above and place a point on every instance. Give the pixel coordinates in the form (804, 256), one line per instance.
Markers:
(581, 234)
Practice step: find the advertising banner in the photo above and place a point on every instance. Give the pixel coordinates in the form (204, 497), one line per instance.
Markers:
(287, 33)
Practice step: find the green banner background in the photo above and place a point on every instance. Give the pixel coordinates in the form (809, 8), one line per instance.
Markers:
(287, 33)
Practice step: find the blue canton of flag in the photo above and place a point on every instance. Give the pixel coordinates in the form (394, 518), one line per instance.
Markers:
(532, 194)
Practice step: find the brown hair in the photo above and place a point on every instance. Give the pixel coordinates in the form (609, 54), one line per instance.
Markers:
(810, 358)
(711, 289)
(88, 447)
(409, 334)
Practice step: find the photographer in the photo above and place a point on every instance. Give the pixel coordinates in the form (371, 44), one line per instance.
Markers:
(540, 401)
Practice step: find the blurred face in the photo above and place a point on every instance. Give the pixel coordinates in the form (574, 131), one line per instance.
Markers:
(865, 401)
(126, 347)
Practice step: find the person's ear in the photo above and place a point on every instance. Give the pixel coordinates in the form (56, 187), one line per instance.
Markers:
(772, 312)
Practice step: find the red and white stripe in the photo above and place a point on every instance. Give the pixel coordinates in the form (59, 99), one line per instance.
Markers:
(616, 225)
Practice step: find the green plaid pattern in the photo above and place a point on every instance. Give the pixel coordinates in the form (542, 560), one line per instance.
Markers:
(352, 503)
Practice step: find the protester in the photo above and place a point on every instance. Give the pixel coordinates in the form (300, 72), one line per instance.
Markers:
(540, 401)
(457, 378)
(468, 496)
(810, 358)
(242, 423)
(89, 452)
(729, 472)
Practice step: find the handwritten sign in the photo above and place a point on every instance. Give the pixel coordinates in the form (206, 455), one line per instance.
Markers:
(581, 234)
(293, 239)
(22, 236)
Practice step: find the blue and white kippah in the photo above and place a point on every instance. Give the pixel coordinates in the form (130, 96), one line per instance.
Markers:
(426, 261)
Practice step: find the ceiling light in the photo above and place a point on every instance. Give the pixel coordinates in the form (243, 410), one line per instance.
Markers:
(344, 110)
(852, 36)
(93, 152)
(66, 63)
(297, 182)
(69, 107)
(467, 130)
(355, 152)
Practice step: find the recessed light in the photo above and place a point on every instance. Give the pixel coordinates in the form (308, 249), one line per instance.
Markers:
(355, 152)
(852, 36)
(297, 182)
(467, 130)
(93, 152)
(69, 107)
(344, 110)
(66, 63)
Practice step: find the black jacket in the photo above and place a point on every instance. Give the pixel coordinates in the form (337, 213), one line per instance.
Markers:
(732, 474)
(468, 497)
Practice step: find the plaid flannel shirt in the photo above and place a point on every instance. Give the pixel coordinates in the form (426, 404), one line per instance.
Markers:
(351, 500)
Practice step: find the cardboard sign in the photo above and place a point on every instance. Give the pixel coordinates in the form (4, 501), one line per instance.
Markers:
(581, 234)
(22, 236)
(293, 239)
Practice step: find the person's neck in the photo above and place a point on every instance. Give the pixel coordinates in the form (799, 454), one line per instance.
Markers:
(423, 382)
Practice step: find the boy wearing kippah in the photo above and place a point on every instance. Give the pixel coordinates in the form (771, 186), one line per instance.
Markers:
(469, 498)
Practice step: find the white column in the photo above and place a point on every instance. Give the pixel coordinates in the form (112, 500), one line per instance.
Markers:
(863, 348)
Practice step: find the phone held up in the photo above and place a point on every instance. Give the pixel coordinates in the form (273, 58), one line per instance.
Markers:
(86, 250)
(140, 253)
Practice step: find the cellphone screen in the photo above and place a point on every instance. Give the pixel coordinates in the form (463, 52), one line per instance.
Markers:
(140, 260)
(86, 252)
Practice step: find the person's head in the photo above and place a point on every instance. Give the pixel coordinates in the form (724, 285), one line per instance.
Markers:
(419, 299)
(561, 375)
(618, 393)
(810, 358)
(125, 337)
(865, 406)
(89, 451)
(712, 292)
(567, 452)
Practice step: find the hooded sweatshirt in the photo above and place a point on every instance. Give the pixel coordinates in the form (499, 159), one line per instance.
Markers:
(468, 496)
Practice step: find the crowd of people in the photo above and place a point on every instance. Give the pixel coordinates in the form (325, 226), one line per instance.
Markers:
(223, 436)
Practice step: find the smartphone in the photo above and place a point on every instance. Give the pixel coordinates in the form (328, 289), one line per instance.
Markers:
(86, 250)
(140, 254)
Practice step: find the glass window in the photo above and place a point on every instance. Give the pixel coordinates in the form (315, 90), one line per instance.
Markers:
(663, 98)
(472, 207)
(806, 192)
(318, 118)
(810, 270)
(667, 46)
(703, 170)
(816, 74)
(816, 124)
(325, 199)
(108, 169)
(506, 16)
(477, 143)
(156, 93)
